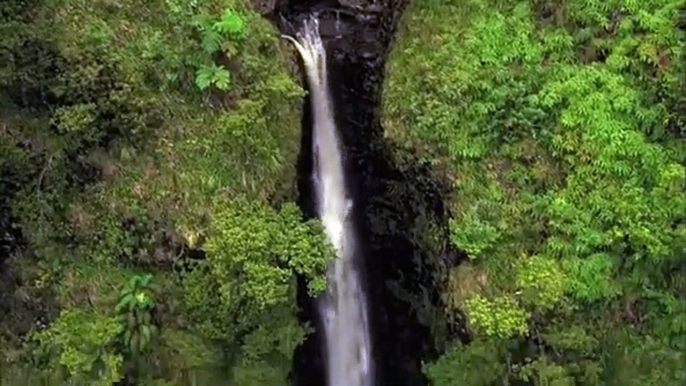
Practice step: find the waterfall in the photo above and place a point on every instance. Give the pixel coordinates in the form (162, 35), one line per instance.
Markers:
(343, 307)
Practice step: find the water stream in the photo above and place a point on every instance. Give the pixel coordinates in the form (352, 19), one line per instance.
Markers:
(343, 307)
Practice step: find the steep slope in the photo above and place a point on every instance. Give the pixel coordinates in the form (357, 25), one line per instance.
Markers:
(149, 137)
(557, 124)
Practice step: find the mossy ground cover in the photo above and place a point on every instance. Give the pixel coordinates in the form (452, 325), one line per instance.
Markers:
(134, 134)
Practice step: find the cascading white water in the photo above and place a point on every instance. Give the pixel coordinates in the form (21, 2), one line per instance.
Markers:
(343, 307)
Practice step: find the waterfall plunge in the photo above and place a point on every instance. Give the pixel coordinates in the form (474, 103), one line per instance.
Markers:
(343, 307)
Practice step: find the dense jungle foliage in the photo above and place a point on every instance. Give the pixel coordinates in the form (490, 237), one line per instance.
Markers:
(561, 127)
(136, 138)
(148, 228)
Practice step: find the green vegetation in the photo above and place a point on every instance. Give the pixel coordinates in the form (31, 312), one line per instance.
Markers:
(560, 125)
(148, 152)
(133, 133)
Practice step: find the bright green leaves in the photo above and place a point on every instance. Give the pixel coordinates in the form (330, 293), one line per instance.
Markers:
(134, 308)
(582, 130)
(212, 75)
(541, 281)
(590, 279)
(244, 292)
(479, 226)
(500, 317)
(558, 45)
(550, 119)
(498, 40)
(211, 41)
(267, 247)
(215, 30)
(82, 341)
(612, 165)
(215, 33)
(231, 24)
(606, 113)
(217, 36)
(473, 235)
(135, 294)
(113, 161)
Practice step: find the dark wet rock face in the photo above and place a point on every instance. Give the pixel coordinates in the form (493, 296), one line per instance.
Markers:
(264, 6)
(10, 235)
(11, 239)
(390, 198)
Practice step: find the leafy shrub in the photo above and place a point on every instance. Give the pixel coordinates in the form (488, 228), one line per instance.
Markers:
(551, 121)
(81, 345)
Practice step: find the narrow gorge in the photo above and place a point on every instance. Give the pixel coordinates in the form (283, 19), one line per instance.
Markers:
(343, 309)
(395, 201)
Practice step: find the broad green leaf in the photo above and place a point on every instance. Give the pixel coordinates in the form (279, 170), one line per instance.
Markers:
(203, 77)
(221, 79)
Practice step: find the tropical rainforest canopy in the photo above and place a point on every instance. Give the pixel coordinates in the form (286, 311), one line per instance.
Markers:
(149, 231)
